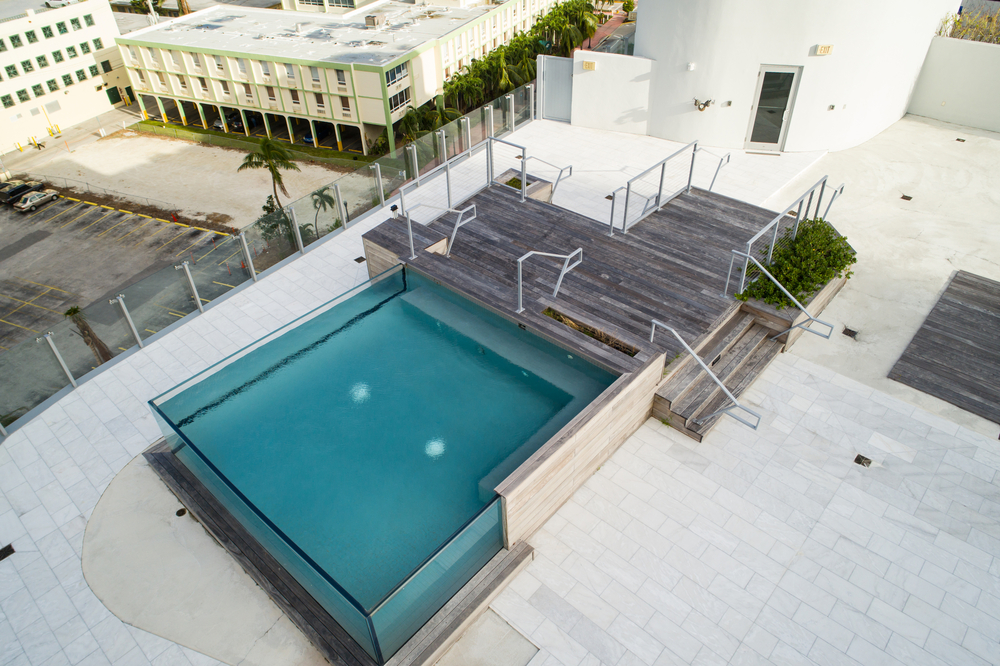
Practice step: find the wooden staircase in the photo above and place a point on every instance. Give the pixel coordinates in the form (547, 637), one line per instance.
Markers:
(737, 352)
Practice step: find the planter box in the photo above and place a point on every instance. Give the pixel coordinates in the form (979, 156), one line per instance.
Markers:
(538, 189)
(781, 320)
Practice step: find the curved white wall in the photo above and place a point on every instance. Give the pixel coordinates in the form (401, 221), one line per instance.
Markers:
(878, 50)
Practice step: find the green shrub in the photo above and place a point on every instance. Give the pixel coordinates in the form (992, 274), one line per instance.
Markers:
(803, 265)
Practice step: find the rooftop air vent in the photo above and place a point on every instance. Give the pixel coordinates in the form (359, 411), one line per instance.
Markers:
(373, 21)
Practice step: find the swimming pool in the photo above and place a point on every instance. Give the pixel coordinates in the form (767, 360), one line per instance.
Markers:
(361, 444)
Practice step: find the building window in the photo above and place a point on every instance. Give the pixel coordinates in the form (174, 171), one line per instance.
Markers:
(341, 77)
(15, 41)
(27, 66)
(218, 63)
(88, 19)
(241, 64)
(320, 102)
(345, 104)
(314, 71)
(204, 85)
(53, 86)
(132, 55)
(32, 37)
(85, 47)
(71, 51)
(81, 75)
(142, 79)
(399, 100)
(174, 59)
(295, 96)
(67, 79)
(57, 56)
(265, 68)
(105, 65)
(75, 22)
(93, 70)
(318, 3)
(43, 62)
(290, 72)
(152, 58)
(397, 73)
(163, 81)
(7, 100)
(270, 93)
(182, 83)
(98, 44)
(47, 32)
(61, 27)
(225, 87)
(341, 3)
(3, 46)
(22, 95)
(196, 60)
(247, 92)
(12, 71)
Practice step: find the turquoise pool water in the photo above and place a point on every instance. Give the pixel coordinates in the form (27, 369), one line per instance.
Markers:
(370, 433)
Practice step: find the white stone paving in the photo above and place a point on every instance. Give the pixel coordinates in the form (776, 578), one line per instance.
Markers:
(773, 547)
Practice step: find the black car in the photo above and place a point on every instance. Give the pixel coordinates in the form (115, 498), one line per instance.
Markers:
(14, 194)
(233, 120)
(8, 187)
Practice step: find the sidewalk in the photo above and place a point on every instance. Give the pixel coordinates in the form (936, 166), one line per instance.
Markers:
(603, 31)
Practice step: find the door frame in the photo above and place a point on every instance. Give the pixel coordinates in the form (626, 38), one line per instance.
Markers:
(786, 119)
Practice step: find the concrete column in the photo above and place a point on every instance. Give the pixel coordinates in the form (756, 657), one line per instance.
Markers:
(142, 107)
(336, 130)
(225, 125)
(312, 125)
(163, 113)
(243, 117)
(291, 132)
(201, 114)
(180, 110)
(267, 126)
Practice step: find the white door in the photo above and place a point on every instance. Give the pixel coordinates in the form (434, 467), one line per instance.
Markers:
(772, 109)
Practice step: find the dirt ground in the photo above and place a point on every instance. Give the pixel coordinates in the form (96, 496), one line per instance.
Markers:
(201, 181)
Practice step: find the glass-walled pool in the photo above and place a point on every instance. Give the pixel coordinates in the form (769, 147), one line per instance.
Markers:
(361, 444)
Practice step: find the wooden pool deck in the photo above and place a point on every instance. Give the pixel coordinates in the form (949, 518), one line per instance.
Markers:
(671, 267)
(955, 355)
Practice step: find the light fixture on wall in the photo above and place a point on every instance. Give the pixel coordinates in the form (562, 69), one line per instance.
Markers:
(702, 105)
(690, 66)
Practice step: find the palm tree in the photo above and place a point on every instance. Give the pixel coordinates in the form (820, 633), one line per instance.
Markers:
(274, 157)
(409, 124)
(96, 345)
(322, 200)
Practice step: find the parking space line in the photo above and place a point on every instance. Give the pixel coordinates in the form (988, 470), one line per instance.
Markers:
(172, 240)
(151, 235)
(47, 286)
(34, 305)
(42, 210)
(18, 325)
(238, 251)
(76, 218)
(133, 231)
(96, 221)
(63, 211)
(114, 227)
(223, 284)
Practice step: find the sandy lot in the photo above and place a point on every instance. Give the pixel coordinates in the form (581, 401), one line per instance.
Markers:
(197, 179)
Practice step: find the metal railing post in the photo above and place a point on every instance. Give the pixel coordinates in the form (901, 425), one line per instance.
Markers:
(489, 120)
(194, 289)
(3, 431)
(774, 239)
(341, 210)
(378, 184)
(729, 275)
(402, 201)
(611, 225)
(411, 150)
(746, 266)
(467, 132)
(524, 175)
(530, 88)
(247, 256)
(798, 218)
(659, 191)
(447, 163)
(628, 195)
(489, 158)
(120, 300)
(52, 345)
(409, 230)
(520, 305)
(296, 232)
(510, 110)
(819, 201)
(694, 153)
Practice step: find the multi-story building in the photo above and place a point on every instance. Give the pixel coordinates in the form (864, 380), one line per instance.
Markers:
(58, 67)
(336, 80)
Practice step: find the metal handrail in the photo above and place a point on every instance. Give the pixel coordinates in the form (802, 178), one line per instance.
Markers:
(561, 170)
(460, 222)
(804, 325)
(662, 165)
(736, 403)
(723, 161)
(614, 199)
(524, 158)
(562, 273)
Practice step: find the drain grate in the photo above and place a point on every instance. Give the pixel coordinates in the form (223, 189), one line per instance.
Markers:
(960, 140)
(864, 462)
(906, 197)
(360, 260)
(610, 197)
(181, 512)
(850, 332)
(6, 551)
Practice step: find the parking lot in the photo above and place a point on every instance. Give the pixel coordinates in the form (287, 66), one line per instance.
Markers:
(75, 253)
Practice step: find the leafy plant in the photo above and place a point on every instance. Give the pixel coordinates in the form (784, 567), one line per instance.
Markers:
(272, 156)
(628, 6)
(515, 183)
(804, 264)
(977, 26)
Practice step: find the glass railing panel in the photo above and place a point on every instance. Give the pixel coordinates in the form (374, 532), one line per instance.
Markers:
(454, 138)
(478, 125)
(219, 268)
(29, 374)
(395, 171)
(92, 337)
(270, 240)
(357, 189)
(428, 152)
(431, 586)
(158, 301)
(522, 105)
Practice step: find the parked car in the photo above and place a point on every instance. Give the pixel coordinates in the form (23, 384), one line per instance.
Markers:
(15, 193)
(7, 187)
(36, 199)
(54, 4)
(233, 120)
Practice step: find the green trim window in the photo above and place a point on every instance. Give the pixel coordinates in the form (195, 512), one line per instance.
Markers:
(88, 19)
(32, 37)
(15, 41)
(43, 62)
(53, 86)
(81, 75)
(37, 90)
(61, 27)
(106, 66)
(93, 70)
(98, 44)
(75, 22)
(12, 71)
(397, 73)
(67, 80)
(3, 46)
(399, 100)
(7, 100)
(57, 56)
(27, 66)
(22, 95)
(85, 47)
(47, 32)
(71, 51)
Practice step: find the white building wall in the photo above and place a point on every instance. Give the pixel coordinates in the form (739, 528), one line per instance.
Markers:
(68, 104)
(623, 79)
(953, 84)
(878, 50)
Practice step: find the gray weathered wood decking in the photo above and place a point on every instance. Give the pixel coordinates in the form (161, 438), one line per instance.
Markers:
(955, 355)
(670, 267)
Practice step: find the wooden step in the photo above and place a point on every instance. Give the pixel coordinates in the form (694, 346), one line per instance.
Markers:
(729, 363)
(737, 384)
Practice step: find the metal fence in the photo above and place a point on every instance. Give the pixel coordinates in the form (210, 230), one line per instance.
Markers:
(37, 369)
(70, 183)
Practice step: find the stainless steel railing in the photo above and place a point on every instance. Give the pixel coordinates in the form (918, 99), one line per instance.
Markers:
(566, 268)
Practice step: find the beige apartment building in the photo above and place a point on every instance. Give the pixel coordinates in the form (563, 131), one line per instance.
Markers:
(335, 80)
